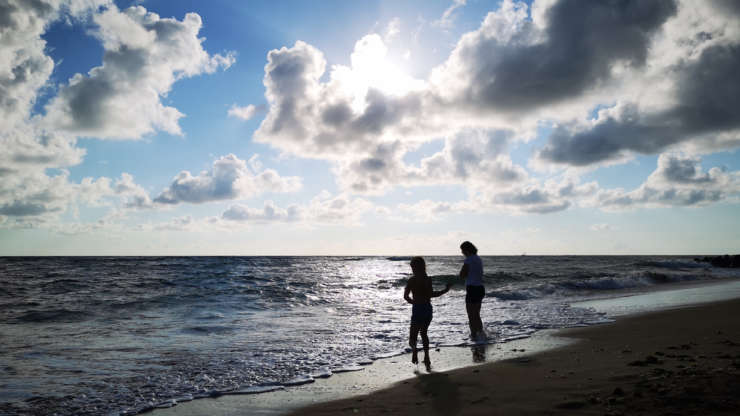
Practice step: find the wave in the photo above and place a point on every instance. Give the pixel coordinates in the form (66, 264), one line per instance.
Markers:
(570, 286)
(440, 279)
(672, 264)
(54, 315)
(209, 329)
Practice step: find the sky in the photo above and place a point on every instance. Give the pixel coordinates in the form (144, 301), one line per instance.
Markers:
(369, 128)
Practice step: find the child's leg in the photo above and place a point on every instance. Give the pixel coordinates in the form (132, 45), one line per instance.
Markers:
(413, 335)
(425, 343)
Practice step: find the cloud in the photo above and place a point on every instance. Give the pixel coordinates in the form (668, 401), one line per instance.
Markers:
(269, 213)
(134, 195)
(446, 20)
(34, 197)
(244, 113)
(322, 209)
(514, 65)
(601, 227)
(144, 55)
(689, 97)
(393, 29)
(430, 211)
(35, 189)
(500, 80)
(677, 181)
(475, 157)
(29, 148)
(533, 197)
(701, 113)
(230, 178)
(183, 223)
(356, 108)
(24, 67)
(471, 157)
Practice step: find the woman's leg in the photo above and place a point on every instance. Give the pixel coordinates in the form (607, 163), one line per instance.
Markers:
(478, 321)
(474, 321)
(413, 335)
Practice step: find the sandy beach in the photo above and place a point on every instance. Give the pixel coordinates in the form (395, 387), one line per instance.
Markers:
(676, 362)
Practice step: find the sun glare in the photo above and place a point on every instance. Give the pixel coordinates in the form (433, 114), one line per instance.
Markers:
(371, 69)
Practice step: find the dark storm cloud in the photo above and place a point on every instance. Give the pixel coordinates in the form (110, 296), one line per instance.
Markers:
(683, 171)
(708, 102)
(710, 91)
(583, 40)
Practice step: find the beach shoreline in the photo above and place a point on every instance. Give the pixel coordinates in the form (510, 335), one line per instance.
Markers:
(566, 353)
(678, 361)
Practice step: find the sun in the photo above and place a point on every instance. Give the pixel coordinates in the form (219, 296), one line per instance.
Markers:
(371, 69)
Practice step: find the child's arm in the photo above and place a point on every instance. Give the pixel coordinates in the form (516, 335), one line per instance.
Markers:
(406, 292)
(437, 293)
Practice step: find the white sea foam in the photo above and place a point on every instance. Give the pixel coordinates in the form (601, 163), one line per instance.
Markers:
(299, 381)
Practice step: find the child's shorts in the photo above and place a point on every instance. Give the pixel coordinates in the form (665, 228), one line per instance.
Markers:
(474, 294)
(421, 314)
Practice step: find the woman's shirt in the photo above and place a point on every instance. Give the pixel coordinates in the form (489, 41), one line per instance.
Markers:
(475, 270)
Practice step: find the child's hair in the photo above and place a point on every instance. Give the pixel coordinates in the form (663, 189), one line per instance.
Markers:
(418, 266)
(467, 246)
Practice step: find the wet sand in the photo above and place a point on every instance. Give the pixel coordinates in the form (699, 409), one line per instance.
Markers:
(379, 375)
(675, 362)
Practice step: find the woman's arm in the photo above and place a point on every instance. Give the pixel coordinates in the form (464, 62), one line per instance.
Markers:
(406, 292)
(464, 271)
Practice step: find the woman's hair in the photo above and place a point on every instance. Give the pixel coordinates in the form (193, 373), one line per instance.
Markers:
(468, 247)
(418, 266)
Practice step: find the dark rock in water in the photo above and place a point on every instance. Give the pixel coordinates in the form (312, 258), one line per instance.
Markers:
(726, 261)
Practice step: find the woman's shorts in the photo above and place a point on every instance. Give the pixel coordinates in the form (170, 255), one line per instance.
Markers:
(474, 294)
(421, 314)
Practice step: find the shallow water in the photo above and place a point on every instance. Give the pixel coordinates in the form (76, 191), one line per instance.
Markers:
(122, 334)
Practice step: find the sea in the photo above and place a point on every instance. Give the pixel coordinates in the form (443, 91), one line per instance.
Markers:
(124, 335)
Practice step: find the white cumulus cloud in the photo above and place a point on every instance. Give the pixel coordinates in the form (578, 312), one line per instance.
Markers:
(230, 178)
(144, 56)
(244, 113)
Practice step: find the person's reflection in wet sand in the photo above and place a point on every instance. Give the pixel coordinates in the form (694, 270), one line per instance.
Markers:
(479, 353)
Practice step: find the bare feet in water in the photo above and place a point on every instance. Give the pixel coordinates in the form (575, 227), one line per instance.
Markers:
(427, 364)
